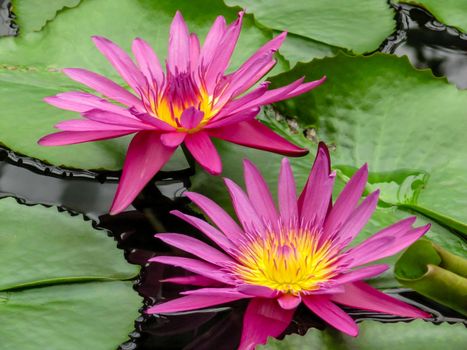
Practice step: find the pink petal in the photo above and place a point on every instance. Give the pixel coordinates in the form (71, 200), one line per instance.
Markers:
(366, 252)
(215, 235)
(289, 91)
(256, 135)
(214, 292)
(311, 195)
(396, 240)
(263, 318)
(289, 301)
(196, 266)
(195, 247)
(194, 280)
(317, 201)
(359, 218)
(203, 150)
(191, 117)
(271, 46)
(211, 43)
(173, 139)
(258, 291)
(190, 302)
(332, 314)
(218, 215)
(287, 193)
(145, 157)
(91, 125)
(104, 86)
(247, 101)
(259, 194)
(361, 274)
(346, 202)
(106, 117)
(121, 62)
(77, 101)
(149, 119)
(72, 137)
(360, 295)
(194, 52)
(245, 211)
(244, 115)
(179, 46)
(148, 61)
(245, 77)
(223, 52)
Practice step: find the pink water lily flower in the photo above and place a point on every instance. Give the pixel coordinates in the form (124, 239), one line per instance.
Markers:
(281, 256)
(192, 102)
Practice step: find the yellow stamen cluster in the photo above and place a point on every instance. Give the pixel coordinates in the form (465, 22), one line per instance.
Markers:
(291, 261)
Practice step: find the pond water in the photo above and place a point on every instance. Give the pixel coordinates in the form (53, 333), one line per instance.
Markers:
(426, 42)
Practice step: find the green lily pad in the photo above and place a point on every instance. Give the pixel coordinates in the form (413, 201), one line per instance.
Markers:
(63, 283)
(435, 273)
(407, 124)
(449, 12)
(28, 72)
(357, 25)
(416, 335)
(32, 15)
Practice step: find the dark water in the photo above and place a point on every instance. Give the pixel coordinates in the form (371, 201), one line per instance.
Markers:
(426, 42)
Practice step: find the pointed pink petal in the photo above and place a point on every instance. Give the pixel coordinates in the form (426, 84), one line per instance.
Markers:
(245, 77)
(173, 139)
(106, 117)
(358, 219)
(149, 119)
(91, 125)
(190, 302)
(271, 46)
(215, 235)
(218, 215)
(72, 137)
(243, 103)
(148, 61)
(360, 295)
(191, 117)
(258, 291)
(196, 266)
(145, 157)
(263, 318)
(315, 198)
(121, 62)
(223, 52)
(287, 193)
(203, 150)
(104, 86)
(194, 52)
(195, 247)
(259, 194)
(346, 202)
(245, 115)
(195, 280)
(289, 301)
(245, 211)
(211, 43)
(256, 135)
(179, 46)
(77, 101)
(371, 250)
(331, 313)
(214, 292)
(395, 241)
(361, 274)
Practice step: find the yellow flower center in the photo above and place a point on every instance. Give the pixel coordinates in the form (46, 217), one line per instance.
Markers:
(290, 262)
